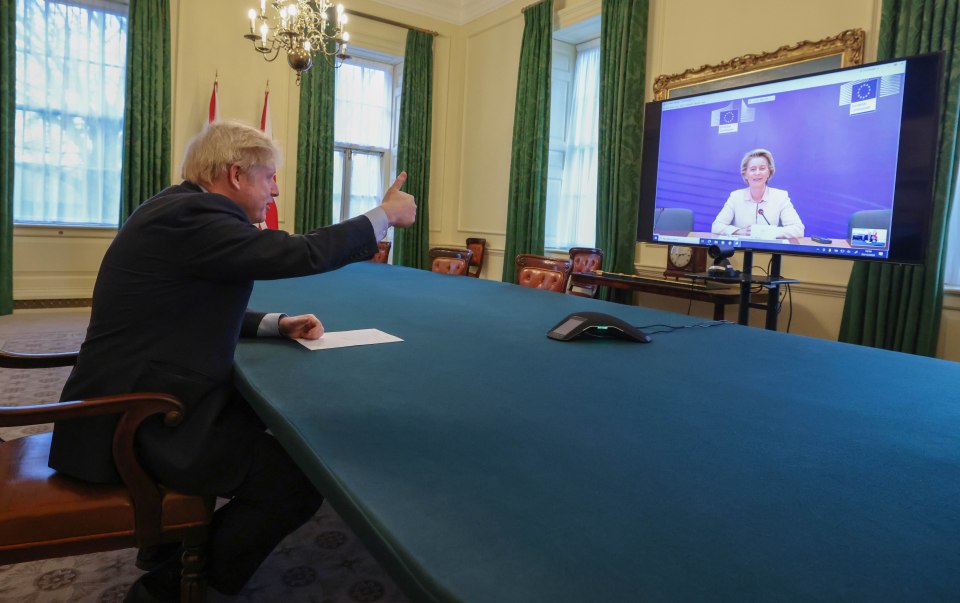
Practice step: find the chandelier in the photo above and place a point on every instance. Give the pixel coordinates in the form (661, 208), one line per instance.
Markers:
(302, 28)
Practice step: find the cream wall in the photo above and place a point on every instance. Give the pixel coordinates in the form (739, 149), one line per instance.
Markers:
(474, 91)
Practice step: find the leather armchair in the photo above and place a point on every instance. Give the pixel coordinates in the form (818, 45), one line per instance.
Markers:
(44, 514)
(479, 249)
(450, 260)
(383, 254)
(541, 272)
(585, 259)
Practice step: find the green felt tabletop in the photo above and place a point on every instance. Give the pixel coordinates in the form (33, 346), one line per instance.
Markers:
(483, 462)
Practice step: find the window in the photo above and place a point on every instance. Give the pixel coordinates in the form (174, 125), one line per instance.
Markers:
(363, 136)
(68, 131)
(571, 213)
(951, 277)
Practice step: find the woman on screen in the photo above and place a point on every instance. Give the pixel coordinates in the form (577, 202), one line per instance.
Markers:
(758, 211)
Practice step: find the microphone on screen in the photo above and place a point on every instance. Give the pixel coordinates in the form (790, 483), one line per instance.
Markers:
(760, 211)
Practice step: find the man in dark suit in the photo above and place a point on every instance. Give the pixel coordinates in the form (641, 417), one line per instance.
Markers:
(168, 308)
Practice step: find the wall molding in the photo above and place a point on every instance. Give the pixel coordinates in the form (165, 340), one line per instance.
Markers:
(26, 231)
(47, 304)
(53, 285)
(951, 299)
(566, 17)
(458, 12)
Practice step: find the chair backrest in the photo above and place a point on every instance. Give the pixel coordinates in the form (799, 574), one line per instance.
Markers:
(44, 514)
(450, 260)
(585, 259)
(541, 272)
(674, 219)
(479, 249)
(383, 254)
(868, 218)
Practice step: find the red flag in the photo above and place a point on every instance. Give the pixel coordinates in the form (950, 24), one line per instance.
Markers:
(214, 113)
(266, 126)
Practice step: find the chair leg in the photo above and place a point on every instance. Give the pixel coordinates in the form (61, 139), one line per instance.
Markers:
(193, 581)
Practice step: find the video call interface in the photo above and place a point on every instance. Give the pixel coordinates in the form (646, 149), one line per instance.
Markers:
(834, 139)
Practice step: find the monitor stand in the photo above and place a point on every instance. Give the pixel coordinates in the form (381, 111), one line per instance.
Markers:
(746, 278)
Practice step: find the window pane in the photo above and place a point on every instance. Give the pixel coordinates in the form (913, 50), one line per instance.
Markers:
(951, 277)
(69, 113)
(363, 105)
(337, 184)
(362, 131)
(366, 182)
(571, 220)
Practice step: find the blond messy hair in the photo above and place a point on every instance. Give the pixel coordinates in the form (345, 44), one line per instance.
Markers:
(219, 145)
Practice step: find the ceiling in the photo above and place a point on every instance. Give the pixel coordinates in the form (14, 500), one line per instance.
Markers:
(457, 12)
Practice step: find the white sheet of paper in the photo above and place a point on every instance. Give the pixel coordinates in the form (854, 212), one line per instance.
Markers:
(345, 339)
(762, 231)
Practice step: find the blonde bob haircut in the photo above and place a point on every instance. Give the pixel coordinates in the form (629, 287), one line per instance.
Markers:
(219, 145)
(754, 154)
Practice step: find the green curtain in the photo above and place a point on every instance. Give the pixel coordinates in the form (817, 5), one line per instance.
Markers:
(411, 245)
(146, 111)
(314, 203)
(527, 201)
(898, 307)
(623, 58)
(8, 93)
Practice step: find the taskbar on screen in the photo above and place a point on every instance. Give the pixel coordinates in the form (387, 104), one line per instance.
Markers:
(779, 245)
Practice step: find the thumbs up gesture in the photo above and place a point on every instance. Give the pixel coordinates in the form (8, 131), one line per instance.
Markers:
(399, 206)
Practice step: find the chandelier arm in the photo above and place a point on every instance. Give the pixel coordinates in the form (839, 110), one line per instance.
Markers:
(304, 29)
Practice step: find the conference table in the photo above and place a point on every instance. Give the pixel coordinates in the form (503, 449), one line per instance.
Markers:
(481, 461)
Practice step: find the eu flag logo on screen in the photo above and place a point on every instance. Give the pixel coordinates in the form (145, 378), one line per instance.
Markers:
(865, 90)
(863, 95)
(730, 116)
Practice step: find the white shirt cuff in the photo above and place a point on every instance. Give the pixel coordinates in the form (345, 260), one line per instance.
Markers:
(270, 325)
(378, 219)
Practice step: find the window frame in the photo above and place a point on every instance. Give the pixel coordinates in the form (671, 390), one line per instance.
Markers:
(117, 8)
(388, 154)
(588, 38)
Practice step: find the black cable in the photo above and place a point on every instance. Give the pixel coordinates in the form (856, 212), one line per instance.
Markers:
(671, 328)
(757, 288)
(789, 301)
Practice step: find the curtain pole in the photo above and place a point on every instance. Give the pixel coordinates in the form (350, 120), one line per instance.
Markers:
(363, 15)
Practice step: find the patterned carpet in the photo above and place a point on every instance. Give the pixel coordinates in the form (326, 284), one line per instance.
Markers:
(322, 562)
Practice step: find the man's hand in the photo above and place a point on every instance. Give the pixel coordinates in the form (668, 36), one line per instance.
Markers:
(305, 326)
(399, 206)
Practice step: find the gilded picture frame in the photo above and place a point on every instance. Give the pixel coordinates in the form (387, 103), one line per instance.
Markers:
(842, 50)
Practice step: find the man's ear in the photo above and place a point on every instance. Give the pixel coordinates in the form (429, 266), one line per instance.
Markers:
(233, 176)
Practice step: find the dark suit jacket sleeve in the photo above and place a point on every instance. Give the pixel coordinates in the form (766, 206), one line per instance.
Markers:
(251, 323)
(218, 242)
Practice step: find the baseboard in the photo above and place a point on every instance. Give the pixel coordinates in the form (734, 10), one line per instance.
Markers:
(44, 304)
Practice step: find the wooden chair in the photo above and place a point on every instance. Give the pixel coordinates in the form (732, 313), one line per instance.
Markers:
(479, 249)
(541, 272)
(44, 514)
(450, 260)
(585, 259)
(381, 256)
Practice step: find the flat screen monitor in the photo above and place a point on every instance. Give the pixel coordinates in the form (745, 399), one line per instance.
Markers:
(853, 153)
